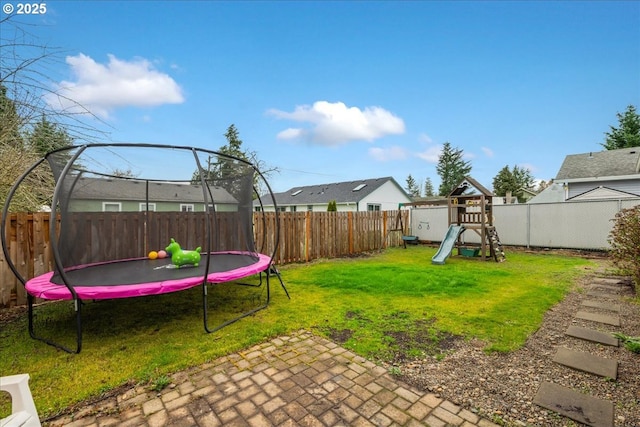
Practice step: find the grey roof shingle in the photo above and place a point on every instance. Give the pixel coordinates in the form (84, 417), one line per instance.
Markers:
(135, 190)
(622, 162)
(341, 192)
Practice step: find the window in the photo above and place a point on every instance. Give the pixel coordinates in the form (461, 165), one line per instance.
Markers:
(186, 207)
(310, 208)
(151, 207)
(282, 208)
(293, 208)
(371, 207)
(111, 206)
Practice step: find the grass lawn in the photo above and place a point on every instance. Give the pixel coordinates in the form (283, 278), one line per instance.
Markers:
(388, 306)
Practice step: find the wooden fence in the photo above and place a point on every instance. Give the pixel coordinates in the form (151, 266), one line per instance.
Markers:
(304, 236)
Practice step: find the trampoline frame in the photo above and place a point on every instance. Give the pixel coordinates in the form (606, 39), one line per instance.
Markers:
(269, 271)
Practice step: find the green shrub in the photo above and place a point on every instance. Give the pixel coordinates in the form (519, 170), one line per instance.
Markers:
(632, 344)
(624, 239)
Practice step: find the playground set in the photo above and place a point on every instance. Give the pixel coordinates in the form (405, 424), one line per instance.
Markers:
(470, 208)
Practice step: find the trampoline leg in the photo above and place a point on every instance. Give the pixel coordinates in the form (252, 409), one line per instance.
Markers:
(273, 270)
(77, 307)
(205, 305)
(235, 319)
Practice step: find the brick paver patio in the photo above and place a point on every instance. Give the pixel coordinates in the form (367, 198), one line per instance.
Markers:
(297, 380)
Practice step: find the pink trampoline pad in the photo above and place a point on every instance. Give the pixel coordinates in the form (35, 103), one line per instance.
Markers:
(142, 276)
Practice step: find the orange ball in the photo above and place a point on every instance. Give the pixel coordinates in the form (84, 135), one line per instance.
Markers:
(153, 255)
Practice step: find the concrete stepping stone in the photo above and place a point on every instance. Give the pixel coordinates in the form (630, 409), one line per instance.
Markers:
(606, 288)
(577, 406)
(592, 335)
(587, 362)
(604, 305)
(603, 295)
(607, 280)
(600, 318)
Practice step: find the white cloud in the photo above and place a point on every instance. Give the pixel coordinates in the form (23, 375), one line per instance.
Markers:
(425, 138)
(290, 133)
(335, 123)
(431, 154)
(385, 154)
(487, 151)
(101, 88)
(528, 167)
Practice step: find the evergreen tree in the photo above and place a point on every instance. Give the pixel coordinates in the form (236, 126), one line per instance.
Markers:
(412, 187)
(504, 182)
(47, 136)
(428, 188)
(627, 134)
(10, 121)
(332, 206)
(451, 168)
(514, 181)
(222, 167)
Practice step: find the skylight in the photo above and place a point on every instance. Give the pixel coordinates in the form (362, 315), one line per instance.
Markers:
(295, 193)
(359, 187)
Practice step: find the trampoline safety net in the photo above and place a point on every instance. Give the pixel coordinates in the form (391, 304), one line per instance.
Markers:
(123, 201)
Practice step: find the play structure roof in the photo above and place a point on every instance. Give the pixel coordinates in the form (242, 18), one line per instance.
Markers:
(469, 186)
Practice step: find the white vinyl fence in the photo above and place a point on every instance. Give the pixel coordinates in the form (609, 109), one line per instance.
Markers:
(571, 225)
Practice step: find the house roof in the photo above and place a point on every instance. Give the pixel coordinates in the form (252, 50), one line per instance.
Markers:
(135, 190)
(341, 192)
(610, 163)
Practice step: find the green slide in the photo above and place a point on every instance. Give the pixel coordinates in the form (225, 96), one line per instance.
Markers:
(447, 244)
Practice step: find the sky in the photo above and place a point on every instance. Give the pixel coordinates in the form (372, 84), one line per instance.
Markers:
(337, 91)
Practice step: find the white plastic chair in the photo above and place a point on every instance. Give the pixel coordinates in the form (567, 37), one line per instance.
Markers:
(23, 409)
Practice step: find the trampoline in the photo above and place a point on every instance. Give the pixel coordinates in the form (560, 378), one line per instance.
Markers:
(110, 223)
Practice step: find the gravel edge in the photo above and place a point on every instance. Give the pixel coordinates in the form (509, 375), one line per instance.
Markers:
(502, 387)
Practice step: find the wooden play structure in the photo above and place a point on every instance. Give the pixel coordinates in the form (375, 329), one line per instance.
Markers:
(470, 208)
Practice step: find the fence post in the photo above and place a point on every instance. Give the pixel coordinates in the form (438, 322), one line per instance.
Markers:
(350, 231)
(307, 234)
(384, 229)
(528, 226)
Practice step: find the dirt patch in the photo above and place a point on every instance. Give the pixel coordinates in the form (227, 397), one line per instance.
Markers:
(340, 336)
(419, 340)
(8, 315)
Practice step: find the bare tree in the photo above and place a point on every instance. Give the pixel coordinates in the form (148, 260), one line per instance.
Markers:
(26, 74)
(26, 83)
